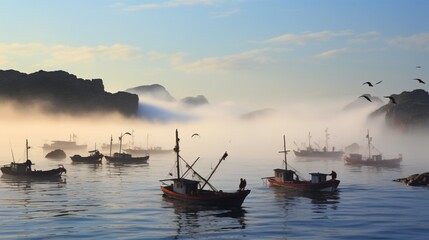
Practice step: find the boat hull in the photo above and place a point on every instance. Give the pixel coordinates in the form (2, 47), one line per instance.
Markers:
(327, 186)
(53, 173)
(370, 162)
(208, 198)
(319, 154)
(89, 159)
(143, 159)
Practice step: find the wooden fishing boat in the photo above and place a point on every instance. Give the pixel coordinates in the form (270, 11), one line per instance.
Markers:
(24, 169)
(291, 180)
(94, 157)
(372, 159)
(193, 192)
(120, 157)
(311, 152)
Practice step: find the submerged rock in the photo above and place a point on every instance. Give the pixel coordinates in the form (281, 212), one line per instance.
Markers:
(415, 180)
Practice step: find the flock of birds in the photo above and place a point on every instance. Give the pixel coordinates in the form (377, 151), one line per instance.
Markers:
(392, 99)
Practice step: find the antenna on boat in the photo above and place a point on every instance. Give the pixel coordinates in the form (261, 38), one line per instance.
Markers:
(286, 151)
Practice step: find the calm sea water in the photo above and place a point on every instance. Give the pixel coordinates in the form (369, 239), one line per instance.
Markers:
(124, 202)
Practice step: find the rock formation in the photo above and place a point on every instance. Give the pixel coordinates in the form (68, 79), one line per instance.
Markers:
(415, 180)
(61, 92)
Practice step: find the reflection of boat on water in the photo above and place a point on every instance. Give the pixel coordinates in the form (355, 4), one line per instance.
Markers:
(193, 192)
(24, 169)
(373, 160)
(94, 157)
(70, 145)
(201, 221)
(311, 152)
(286, 178)
(120, 157)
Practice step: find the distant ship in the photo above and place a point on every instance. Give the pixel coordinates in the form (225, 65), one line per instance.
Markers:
(70, 145)
(311, 152)
(371, 159)
(138, 151)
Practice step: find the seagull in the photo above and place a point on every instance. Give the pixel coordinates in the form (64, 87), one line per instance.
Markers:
(195, 134)
(420, 81)
(367, 97)
(370, 84)
(391, 99)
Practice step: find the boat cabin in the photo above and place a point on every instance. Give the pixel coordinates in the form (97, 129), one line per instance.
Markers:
(283, 175)
(318, 177)
(18, 167)
(355, 156)
(185, 186)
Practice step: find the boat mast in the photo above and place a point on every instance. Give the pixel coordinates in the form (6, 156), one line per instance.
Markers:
(26, 149)
(326, 138)
(309, 140)
(111, 140)
(120, 140)
(285, 151)
(177, 149)
(369, 144)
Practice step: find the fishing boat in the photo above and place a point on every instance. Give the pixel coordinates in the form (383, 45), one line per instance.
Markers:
(120, 157)
(70, 145)
(192, 191)
(138, 151)
(24, 169)
(371, 159)
(311, 152)
(289, 178)
(94, 157)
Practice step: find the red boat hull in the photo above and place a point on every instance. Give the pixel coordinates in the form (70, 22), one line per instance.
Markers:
(329, 186)
(382, 162)
(208, 198)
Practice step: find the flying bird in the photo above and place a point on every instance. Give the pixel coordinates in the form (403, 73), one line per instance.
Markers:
(195, 134)
(370, 84)
(367, 97)
(418, 66)
(420, 81)
(391, 99)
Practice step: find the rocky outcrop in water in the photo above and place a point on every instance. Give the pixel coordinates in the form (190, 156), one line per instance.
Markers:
(415, 180)
(61, 92)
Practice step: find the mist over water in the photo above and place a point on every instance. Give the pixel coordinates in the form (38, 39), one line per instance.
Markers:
(125, 201)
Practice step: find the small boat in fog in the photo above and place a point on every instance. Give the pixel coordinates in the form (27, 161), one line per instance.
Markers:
(94, 157)
(289, 179)
(311, 152)
(371, 159)
(120, 157)
(70, 145)
(193, 192)
(24, 169)
(138, 151)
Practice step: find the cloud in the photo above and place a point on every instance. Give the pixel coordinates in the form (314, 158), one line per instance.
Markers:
(417, 41)
(225, 13)
(332, 53)
(242, 61)
(305, 37)
(165, 4)
(54, 54)
(365, 37)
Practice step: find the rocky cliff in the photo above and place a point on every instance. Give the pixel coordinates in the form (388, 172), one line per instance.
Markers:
(61, 92)
(411, 111)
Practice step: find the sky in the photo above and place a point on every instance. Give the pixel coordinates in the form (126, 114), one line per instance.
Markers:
(255, 52)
